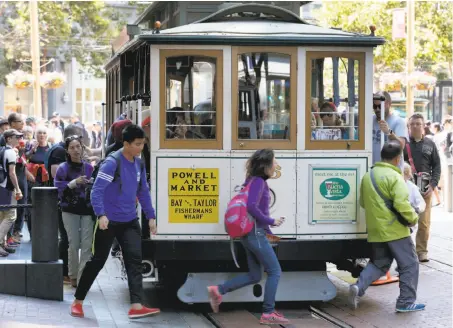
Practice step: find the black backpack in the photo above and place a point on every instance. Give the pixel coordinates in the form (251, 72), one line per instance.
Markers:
(4, 175)
(116, 155)
(449, 145)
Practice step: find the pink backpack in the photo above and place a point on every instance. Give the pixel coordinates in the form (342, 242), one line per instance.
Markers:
(238, 222)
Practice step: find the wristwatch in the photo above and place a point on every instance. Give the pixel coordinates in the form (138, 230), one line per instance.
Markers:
(390, 131)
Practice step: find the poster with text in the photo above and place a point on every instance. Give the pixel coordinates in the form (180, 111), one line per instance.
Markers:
(193, 195)
(334, 195)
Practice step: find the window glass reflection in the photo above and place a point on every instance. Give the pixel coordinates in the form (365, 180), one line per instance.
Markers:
(264, 96)
(334, 95)
(190, 97)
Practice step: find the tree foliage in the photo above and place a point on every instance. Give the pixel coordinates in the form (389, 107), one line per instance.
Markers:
(433, 32)
(80, 29)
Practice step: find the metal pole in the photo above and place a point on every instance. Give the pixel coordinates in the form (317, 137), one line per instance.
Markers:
(410, 57)
(35, 58)
(102, 131)
(382, 119)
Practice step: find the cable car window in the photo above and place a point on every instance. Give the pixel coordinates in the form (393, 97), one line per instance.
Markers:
(264, 95)
(335, 93)
(265, 98)
(191, 99)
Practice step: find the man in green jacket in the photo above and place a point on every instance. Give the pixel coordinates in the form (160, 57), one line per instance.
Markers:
(390, 240)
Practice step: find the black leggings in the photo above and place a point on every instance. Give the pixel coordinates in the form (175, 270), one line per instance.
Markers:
(129, 237)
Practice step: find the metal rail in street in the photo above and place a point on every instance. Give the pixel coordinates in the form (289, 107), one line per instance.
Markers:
(311, 317)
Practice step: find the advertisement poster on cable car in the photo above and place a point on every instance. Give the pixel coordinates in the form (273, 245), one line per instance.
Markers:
(193, 195)
(335, 196)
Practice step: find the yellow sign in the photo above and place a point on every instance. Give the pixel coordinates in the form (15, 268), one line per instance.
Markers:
(193, 195)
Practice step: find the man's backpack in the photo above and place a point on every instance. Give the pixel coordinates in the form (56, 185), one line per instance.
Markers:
(116, 155)
(4, 174)
(449, 145)
(238, 222)
(49, 153)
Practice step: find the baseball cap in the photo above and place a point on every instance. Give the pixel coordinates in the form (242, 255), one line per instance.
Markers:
(3, 121)
(12, 132)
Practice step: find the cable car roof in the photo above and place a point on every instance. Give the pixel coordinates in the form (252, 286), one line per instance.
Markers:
(257, 24)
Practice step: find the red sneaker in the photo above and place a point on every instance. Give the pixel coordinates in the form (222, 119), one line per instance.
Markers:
(142, 313)
(215, 298)
(77, 310)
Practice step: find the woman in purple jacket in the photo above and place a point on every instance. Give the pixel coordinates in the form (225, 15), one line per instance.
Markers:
(260, 167)
(70, 180)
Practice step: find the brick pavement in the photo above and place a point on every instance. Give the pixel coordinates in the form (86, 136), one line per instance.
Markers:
(377, 307)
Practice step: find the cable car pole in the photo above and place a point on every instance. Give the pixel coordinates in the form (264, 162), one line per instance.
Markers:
(35, 58)
(410, 40)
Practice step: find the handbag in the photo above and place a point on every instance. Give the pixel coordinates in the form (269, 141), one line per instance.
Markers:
(74, 200)
(388, 202)
(422, 179)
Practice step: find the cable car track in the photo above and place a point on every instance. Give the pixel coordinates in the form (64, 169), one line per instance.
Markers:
(313, 317)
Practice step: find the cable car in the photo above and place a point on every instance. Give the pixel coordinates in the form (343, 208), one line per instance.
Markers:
(247, 77)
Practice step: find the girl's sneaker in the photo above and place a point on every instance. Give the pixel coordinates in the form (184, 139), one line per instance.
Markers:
(273, 318)
(215, 298)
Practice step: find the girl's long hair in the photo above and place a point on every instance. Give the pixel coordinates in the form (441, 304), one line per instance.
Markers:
(259, 163)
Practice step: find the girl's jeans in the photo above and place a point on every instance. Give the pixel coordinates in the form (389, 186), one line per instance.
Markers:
(259, 252)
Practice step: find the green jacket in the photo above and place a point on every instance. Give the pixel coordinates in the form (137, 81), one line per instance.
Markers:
(382, 224)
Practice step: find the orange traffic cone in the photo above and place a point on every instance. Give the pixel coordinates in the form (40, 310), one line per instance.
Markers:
(388, 280)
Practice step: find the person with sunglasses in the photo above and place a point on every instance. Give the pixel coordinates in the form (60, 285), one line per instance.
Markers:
(71, 178)
(392, 125)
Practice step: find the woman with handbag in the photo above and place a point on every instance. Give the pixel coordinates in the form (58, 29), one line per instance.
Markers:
(70, 179)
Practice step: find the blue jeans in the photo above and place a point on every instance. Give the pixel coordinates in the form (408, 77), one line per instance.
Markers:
(259, 252)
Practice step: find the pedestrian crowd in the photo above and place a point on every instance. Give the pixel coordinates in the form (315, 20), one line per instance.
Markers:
(25, 143)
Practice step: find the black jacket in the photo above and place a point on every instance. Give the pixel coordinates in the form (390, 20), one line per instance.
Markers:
(426, 158)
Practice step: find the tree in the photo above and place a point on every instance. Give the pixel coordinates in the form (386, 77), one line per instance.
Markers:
(80, 29)
(433, 34)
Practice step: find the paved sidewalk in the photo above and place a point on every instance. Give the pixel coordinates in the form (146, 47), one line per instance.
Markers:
(377, 307)
(106, 306)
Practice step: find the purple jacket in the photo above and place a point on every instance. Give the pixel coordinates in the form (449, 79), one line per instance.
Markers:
(258, 203)
(67, 172)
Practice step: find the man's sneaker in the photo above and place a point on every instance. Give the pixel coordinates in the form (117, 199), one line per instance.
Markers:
(15, 239)
(77, 310)
(142, 313)
(11, 243)
(215, 298)
(273, 318)
(3, 253)
(411, 308)
(10, 250)
(353, 297)
(423, 257)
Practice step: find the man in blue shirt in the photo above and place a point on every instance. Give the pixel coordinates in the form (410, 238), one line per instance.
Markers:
(392, 125)
(114, 202)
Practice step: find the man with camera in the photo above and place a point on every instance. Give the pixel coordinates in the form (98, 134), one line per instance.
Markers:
(421, 153)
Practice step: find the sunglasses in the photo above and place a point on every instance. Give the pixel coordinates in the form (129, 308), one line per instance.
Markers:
(326, 114)
(376, 106)
(72, 138)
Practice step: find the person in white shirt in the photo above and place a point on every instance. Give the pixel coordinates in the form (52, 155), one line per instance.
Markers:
(10, 186)
(415, 198)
